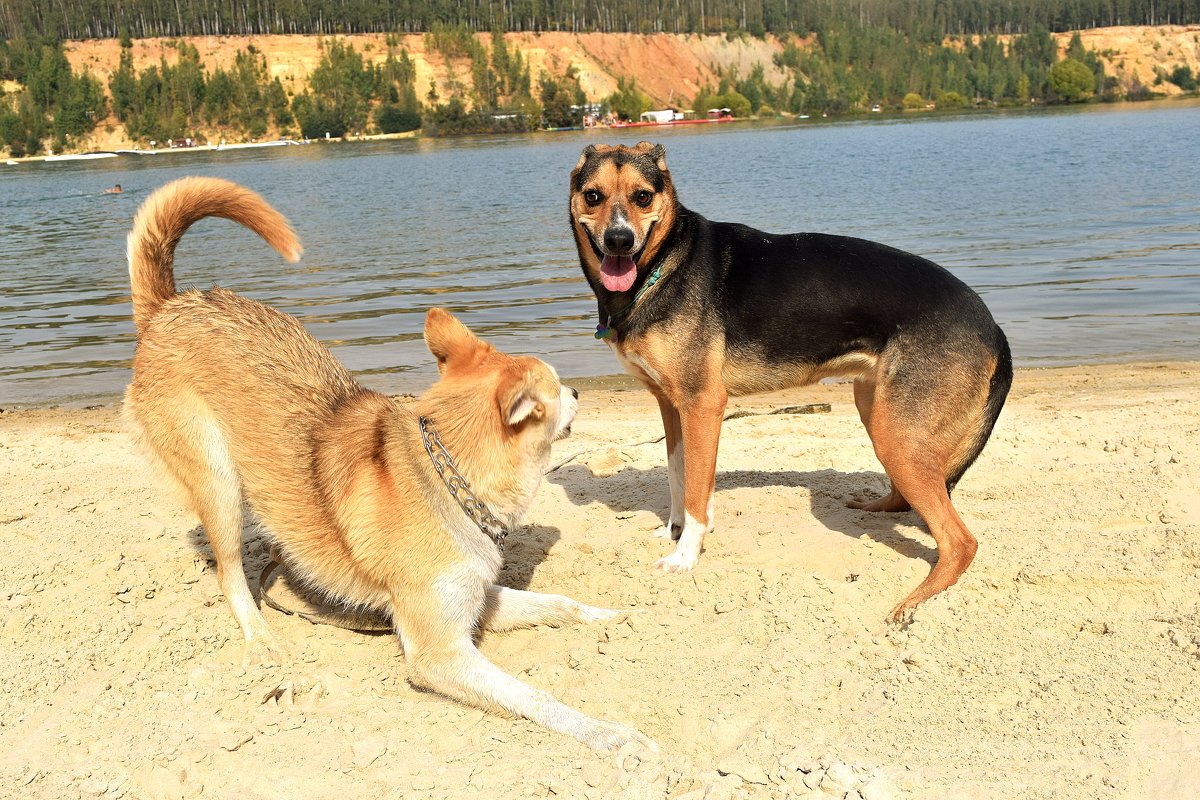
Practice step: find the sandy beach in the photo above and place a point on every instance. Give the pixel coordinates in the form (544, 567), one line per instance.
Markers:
(1065, 664)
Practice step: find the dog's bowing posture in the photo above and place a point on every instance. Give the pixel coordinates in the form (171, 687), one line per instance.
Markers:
(236, 400)
(701, 310)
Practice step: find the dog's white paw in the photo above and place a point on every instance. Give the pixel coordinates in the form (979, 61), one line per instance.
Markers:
(604, 736)
(263, 650)
(676, 562)
(595, 614)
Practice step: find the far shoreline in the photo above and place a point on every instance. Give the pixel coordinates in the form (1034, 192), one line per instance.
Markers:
(741, 123)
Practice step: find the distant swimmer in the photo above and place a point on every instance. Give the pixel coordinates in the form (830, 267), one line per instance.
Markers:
(114, 190)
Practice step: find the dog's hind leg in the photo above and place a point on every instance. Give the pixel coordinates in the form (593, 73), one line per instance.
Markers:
(864, 400)
(916, 439)
(509, 609)
(435, 627)
(199, 459)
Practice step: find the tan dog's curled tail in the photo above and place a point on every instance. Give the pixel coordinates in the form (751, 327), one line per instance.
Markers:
(169, 212)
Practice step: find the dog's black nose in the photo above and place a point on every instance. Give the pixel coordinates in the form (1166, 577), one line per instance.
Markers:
(619, 241)
(574, 392)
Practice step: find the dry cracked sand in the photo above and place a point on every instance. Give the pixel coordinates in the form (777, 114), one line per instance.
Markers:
(1065, 664)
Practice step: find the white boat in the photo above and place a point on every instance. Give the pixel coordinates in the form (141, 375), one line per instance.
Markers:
(81, 156)
(243, 145)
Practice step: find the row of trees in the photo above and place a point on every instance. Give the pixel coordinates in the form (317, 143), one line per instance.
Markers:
(173, 100)
(180, 98)
(926, 20)
(345, 94)
(858, 66)
(851, 67)
(55, 103)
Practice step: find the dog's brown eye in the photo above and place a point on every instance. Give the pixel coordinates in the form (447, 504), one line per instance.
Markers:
(591, 197)
(643, 198)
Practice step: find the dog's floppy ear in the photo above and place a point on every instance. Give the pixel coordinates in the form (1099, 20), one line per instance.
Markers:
(518, 401)
(448, 339)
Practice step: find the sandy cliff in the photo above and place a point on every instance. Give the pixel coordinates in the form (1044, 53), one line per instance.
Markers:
(669, 68)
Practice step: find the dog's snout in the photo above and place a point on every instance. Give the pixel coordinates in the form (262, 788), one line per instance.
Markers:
(618, 239)
(574, 392)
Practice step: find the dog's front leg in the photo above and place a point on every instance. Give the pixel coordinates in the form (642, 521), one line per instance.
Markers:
(435, 629)
(672, 427)
(509, 609)
(700, 423)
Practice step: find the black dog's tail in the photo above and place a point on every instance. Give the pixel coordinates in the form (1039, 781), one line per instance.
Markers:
(997, 392)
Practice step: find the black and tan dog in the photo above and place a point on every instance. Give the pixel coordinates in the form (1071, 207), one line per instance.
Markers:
(701, 310)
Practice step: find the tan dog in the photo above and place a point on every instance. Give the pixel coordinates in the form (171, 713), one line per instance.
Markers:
(236, 400)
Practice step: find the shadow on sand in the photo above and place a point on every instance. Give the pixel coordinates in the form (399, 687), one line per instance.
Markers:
(634, 489)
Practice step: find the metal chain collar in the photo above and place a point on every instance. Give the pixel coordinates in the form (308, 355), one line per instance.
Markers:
(458, 486)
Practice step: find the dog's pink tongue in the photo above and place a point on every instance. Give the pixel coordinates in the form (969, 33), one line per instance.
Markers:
(618, 273)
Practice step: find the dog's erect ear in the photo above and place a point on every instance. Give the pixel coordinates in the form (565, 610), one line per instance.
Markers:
(659, 154)
(448, 339)
(583, 157)
(518, 402)
(655, 151)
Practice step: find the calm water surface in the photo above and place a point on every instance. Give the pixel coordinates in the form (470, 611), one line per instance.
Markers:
(1080, 228)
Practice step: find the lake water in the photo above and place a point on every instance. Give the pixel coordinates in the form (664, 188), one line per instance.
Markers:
(1080, 228)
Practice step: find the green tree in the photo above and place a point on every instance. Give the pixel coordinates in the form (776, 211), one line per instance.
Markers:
(951, 100)
(123, 83)
(343, 87)
(249, 78)
(318, 118)
(80, 104)
(737, 103)
(399, 80)
(1071, 81)
(754, 89)
(923, 22)
(1182, 77)
(277, 104)
(628, 102)
(558, 97)
(391, 118)
(22, 125)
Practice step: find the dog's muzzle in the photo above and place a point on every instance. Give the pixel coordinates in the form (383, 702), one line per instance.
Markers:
(619, 240)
